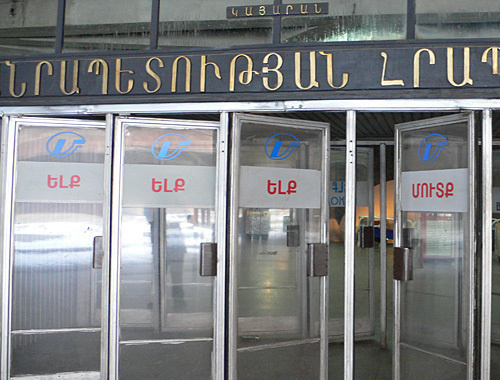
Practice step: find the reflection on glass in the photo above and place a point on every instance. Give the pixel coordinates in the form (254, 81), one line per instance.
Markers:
(107, 25)
(56, 301)
(166, 307)
(364, 268)
(348, 21)
(337, 229)
(277, 303)
(434, 309)
(189, 23)
(466, 19)
(160, 283)
(27, 27)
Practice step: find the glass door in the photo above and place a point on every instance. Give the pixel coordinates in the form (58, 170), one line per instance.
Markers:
(166, 185)
(52, 325)
(278, 280)
(433, 254)
(365, 254)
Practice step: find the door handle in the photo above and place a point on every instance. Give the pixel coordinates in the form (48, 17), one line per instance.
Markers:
(366, 236)
(98, 252)
(208, 259)
(292, 235)
(317, 260)
(403, 264)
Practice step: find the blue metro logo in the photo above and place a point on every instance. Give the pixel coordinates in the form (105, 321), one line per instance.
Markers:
(166, 140)
(275, 143)
(64, 144)
(431, 146)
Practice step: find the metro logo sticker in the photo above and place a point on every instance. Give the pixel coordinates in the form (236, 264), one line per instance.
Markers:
(281, 146)
(431, 147)
(435, 190)
(161, 147)
(64, 144)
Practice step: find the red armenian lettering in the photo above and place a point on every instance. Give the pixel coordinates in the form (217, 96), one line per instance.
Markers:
(179, 185)
(280, 189)
(75, 181)
(156, 185)
(430, 190)
(162, 185)
(51, 181)
(271, 187)
(59, 182)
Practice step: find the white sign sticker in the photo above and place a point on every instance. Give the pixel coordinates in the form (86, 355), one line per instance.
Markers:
(168, 186)
(435, 190)
(262, 187)
(59, 182)
(337, 194)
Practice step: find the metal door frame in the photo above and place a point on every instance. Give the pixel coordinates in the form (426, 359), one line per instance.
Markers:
(233, 239)
(349, 106)
(119, 123)
(421, 124)
(10, 131)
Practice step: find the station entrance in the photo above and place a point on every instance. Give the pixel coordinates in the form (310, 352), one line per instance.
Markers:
(241, 246)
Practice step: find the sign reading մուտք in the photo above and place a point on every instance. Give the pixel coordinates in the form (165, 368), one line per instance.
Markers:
(435, 190)
(264, 187)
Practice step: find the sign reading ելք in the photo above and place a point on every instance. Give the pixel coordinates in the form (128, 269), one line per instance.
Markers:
(61, 182)
(303, 9)
(168, 186)
(435, 190)
(264, 187)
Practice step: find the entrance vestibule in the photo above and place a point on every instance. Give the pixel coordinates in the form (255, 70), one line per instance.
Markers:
(122, 209)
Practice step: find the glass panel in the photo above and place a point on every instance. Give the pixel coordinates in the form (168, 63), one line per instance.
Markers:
(364, 268)
(27, 27)
(435, 312)
(187, 361)
(168, 211)
(337, 212)
(56, 305)
(347, 21)
(192, 23)
(277, 303)
(464, 19)
(107, 25)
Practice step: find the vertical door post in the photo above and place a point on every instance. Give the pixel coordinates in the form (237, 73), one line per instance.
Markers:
(486, 188)
(108, 158)
(114, 251)
(383, 247)
(324, 281)
(8, 162)
(220, 286)
(350, 230)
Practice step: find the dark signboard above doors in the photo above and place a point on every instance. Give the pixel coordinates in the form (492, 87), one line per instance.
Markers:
(279, 73)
